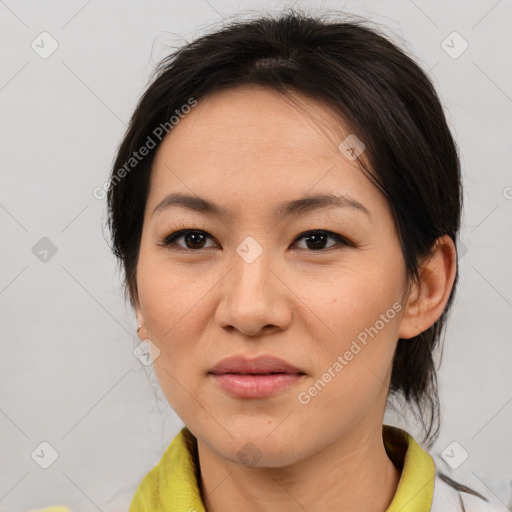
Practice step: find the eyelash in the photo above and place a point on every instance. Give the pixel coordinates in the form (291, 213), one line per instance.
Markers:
(169, 240)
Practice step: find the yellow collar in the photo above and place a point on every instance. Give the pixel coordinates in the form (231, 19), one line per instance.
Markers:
(172, 485)
(416, 486)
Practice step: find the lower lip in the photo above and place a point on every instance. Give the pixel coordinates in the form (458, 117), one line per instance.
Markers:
(255, 386)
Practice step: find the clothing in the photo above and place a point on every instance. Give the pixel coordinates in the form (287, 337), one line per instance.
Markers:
(172, 485)
(420, 489)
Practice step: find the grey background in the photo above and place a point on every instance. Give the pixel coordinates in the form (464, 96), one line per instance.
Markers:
(68, 375)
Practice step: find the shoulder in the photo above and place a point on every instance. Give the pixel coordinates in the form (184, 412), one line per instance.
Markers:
(462, 491)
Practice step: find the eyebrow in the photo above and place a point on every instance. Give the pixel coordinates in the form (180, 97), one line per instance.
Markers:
(293, 207)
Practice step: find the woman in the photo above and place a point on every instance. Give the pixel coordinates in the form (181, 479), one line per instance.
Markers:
(285, 206)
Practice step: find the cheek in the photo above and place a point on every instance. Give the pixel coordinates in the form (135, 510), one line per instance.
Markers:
(353, 362)
(359, 314)
(354, 301)
(170, 296)
(172, 306)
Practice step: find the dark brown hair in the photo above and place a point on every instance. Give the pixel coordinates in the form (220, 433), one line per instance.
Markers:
(382, 95)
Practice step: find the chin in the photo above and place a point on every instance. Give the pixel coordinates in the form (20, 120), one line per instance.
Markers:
(259, 449)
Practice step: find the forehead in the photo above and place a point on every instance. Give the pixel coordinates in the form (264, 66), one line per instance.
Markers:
(256, 121)
(257, 145)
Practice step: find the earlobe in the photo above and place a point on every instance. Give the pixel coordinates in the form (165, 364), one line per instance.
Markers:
(427, 298)
(140, 323)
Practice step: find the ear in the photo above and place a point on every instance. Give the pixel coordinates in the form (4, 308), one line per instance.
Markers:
(427, 298)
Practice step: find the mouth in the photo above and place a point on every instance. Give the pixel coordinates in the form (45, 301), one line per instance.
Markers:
(259, 377)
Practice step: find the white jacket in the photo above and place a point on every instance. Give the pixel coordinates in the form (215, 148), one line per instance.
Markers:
(447, 498)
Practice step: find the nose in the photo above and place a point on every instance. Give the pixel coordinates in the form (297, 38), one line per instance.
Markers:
(255, 300)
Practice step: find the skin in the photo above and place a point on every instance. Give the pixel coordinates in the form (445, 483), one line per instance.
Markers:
(248, 149)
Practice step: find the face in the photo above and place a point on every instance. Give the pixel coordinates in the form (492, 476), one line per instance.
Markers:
(319, 287)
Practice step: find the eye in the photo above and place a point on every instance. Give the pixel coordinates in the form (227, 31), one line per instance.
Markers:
(194, 239)
(316, 239)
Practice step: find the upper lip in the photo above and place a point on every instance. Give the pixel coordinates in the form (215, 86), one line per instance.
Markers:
(261, 364)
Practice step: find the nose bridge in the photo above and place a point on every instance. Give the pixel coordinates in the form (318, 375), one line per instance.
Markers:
(250, 295)
(251, 269)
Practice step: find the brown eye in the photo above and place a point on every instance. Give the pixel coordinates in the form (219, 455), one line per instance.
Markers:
(194, 239)
(315, 240)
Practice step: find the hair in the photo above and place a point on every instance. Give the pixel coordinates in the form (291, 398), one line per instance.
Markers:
(382, 96)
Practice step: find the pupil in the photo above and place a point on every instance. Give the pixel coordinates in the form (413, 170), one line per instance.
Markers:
(318, 241)
(194, 240)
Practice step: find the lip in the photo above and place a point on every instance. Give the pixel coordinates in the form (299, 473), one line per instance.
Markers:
(257, 365)
(255, 378)
(245, 385)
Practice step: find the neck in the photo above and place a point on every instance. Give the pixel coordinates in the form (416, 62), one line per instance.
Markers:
(352, 473)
